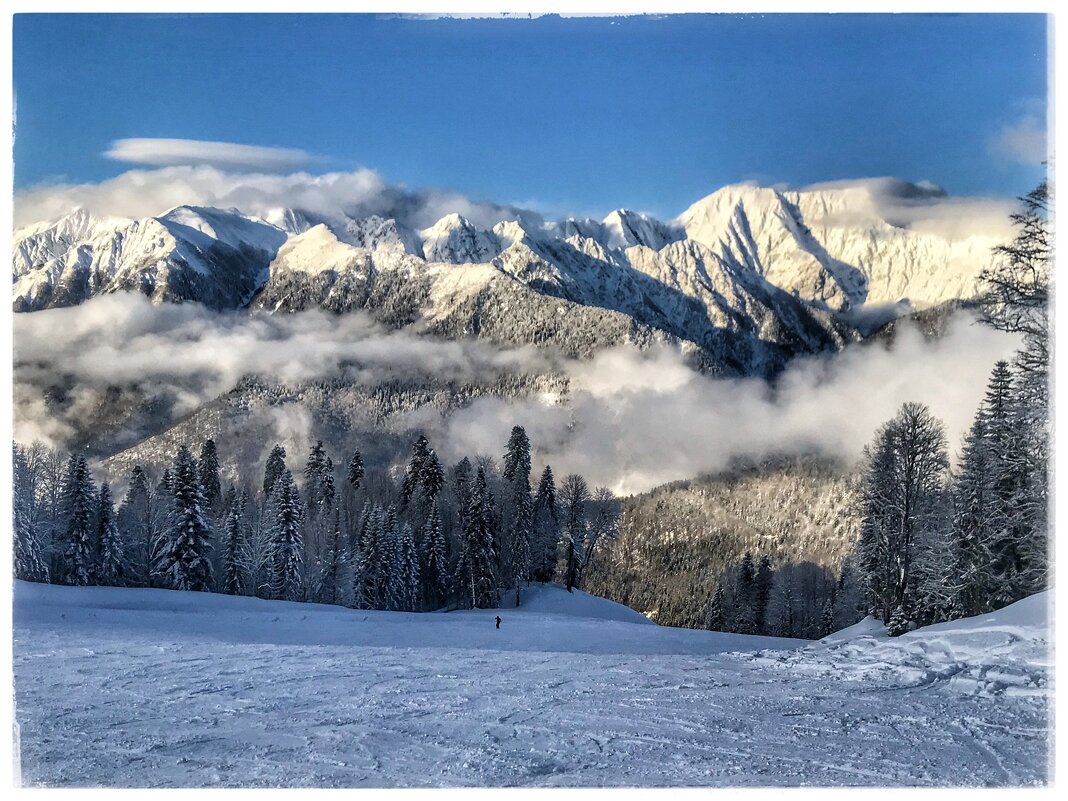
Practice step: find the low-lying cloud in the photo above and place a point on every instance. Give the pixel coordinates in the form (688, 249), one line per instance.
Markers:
(631, 420)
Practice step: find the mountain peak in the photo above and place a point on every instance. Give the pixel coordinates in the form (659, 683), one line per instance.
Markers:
(453, 239)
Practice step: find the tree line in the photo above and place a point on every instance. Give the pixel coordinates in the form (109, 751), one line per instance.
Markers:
(349, 535)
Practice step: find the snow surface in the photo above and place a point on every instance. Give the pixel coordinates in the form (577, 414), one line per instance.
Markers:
(154, 688)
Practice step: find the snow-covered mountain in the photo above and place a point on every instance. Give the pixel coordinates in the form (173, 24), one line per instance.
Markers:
(212, 256)
(747, 277)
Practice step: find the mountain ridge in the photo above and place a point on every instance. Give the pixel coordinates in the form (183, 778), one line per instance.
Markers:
(748, 275)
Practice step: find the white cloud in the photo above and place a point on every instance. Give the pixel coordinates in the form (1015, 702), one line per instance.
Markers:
(631, 420)
(1022, 141)
(921, 206)
(194, 152)
(661, 422)
(147, 193)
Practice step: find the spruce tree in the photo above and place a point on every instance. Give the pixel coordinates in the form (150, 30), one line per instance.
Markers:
(184, 561)
(287, 541)
(476, 580)
(973, 581)
(391, 592)
(314, 479)
(233, 531)
(276, 466)
(435, 570)
(135, 527)
(77, 559)
(546, 517)
(406, 579)
(331, 580)
(745, 597)
(714, 619)
(371, 570)
(520, 531)
(208, 468)
(110, 559)
(355, 471)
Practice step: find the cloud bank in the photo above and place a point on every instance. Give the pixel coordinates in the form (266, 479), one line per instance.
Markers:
(921, 206)
(194, 152)
(631, 420)
(357, 193)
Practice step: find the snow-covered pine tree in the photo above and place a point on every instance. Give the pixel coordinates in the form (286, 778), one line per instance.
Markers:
(476, 580)
(229, 499)
(546, 517)
(275, 467)
(827, 618)
(462, 480)
(392, 591)
(208, 469)
(332, 576)
(435, 571)
(406, 580)
(424, 480)
(319, 503)
(745, 597)
(370, 561)
(234, 543)
(354, 473)
(314, 472)
(111, 561)
(972, 580)
(162, 508)
(77, 559)
(574, 495)
(357, 544)
(185, 560)
(1012, 512)
(287, 542)
(29, 563)
(135, 527)
(781, 615)
(413, 474)
(521, 526)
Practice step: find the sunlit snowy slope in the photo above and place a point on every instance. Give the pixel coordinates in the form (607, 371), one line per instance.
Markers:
(149, 687)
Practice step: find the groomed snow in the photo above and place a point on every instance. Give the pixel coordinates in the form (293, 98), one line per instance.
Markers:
(154, 688)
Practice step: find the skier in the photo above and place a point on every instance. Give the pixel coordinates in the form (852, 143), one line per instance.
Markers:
(498, 621)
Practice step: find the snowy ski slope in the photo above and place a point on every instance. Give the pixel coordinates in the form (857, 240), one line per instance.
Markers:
(153, 688)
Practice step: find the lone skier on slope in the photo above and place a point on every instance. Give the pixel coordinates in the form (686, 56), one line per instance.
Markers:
(498, 621)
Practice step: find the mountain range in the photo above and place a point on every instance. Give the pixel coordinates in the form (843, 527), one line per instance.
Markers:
(744, 279)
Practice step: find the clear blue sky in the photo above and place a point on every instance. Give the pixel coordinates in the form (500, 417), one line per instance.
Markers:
(578, 115)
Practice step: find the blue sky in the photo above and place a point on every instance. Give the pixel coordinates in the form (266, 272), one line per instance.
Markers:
(570, 115)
